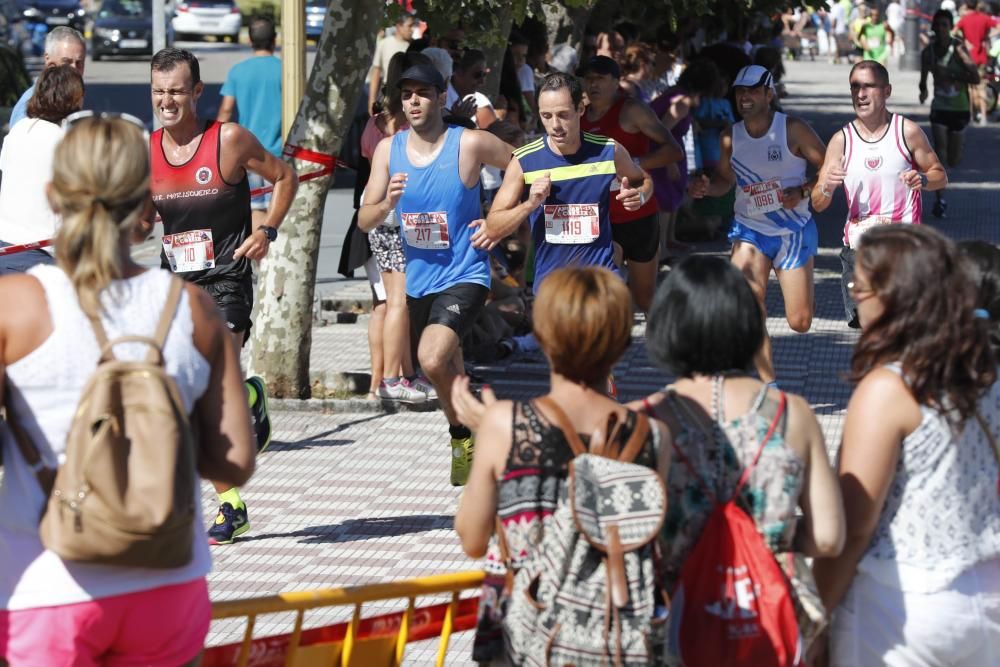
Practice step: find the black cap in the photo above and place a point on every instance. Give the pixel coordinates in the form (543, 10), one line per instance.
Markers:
(603, 65)
(424, 73)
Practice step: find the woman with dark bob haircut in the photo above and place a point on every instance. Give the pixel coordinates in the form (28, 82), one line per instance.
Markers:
(706, 326)
(583, 321)
(918, 581)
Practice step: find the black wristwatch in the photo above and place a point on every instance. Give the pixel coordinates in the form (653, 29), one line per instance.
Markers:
(270, 232)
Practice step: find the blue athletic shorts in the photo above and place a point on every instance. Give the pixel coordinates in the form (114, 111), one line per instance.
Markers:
(790, 251)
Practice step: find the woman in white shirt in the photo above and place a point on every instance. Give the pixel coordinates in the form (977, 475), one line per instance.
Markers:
(54, 611)
(918, 581)
(26, 163)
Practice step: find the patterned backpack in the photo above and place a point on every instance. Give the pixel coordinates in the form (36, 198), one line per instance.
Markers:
(588, 594)
(733, 603)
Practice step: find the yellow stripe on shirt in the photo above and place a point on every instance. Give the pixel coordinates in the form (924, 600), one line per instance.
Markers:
(572, 171)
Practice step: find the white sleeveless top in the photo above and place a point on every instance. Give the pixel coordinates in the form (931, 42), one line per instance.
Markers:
(942, 513)
(764, 166)
(872, 183)
(45, 389)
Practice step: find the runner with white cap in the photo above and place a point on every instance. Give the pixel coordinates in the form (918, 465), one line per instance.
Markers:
(765, 155)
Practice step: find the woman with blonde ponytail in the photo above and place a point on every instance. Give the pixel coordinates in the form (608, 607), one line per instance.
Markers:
(57, 612)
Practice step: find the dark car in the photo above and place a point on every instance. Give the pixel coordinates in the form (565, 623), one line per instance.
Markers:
(13, 32)
(123, 28)
(315, 16)
(55, 13)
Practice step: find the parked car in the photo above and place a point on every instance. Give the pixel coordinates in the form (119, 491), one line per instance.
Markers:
(315, 16)
(55, 13)
(220, 18)
(124, 28)
(13, 28)
(14, 80)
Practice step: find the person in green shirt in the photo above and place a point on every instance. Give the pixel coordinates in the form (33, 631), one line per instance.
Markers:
(876, 37)
(948, 60)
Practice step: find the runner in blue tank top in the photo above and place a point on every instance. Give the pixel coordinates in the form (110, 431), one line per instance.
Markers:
(430, 175)
(765, 156)
(569, 174)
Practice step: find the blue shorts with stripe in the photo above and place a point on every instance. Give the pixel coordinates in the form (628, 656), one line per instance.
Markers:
(787, 251)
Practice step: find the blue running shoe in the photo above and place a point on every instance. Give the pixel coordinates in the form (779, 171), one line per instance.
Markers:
(229, 524)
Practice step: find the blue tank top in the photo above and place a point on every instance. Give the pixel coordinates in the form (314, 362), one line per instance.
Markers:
(572, 226)
(434, 214)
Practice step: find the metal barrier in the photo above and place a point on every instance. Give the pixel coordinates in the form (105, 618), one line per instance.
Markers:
(375, 641)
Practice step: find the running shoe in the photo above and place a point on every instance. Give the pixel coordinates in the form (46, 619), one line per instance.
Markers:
(229, 524)
(461, 460)
(939, 209)
(403, 391)
(258, 410)
(421, 383)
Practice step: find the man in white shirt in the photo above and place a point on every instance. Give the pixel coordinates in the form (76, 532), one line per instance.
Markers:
(387, 47)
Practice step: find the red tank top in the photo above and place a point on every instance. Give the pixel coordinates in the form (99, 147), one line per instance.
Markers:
(636, 143)
(205, 218)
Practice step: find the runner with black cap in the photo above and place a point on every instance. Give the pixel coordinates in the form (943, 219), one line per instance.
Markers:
(636, 127)
(430, 175)
(765, 155)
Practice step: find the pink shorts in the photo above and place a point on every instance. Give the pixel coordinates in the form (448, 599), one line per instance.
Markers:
(164, 627)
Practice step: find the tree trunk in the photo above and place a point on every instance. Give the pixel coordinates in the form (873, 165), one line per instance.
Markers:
(494, 58)
(566, 24)
(282, 334)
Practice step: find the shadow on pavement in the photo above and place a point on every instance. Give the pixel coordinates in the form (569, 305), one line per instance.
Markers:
(355, 530)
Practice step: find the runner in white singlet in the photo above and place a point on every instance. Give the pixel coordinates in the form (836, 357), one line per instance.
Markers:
(883, 161)
(766, 156)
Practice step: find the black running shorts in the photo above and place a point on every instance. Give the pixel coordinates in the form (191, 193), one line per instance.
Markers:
(456, 308)
(235, 299)
(639, 239)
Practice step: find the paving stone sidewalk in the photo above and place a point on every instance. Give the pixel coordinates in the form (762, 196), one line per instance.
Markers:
(351, 497)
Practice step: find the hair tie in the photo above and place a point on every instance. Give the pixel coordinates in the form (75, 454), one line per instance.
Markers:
(103, 202)
(981, 314)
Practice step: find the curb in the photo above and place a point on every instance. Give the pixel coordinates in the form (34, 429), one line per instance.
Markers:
(349, 405)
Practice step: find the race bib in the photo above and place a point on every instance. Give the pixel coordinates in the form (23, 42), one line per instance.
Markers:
(571, 224)
(189, 251)
(763, 197)
(858, 226)
(428, 231)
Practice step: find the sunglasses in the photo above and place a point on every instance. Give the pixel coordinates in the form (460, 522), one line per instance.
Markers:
(76, 117)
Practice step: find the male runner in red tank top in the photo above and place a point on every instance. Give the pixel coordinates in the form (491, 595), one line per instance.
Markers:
(610, 112)
(199, 185)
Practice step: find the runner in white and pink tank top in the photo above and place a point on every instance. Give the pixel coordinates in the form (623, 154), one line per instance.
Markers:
(875, 193)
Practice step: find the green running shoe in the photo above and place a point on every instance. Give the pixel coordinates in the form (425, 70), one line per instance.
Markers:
(258, 410)
(461, 460)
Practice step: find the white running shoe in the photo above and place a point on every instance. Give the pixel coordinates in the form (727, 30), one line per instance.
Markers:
(402, 391)
(421, 383)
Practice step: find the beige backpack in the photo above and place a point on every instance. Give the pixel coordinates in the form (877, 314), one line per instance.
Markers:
(125, 493)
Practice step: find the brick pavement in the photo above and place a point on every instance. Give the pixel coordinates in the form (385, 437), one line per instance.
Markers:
(350, 497)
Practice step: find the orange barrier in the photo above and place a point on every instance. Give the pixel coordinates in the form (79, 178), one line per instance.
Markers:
(378, 641)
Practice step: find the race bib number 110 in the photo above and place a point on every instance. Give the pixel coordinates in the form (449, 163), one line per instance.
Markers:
(428, 231)
(189, 251)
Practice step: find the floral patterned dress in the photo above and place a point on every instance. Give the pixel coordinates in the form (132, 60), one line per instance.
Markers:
(770, 496)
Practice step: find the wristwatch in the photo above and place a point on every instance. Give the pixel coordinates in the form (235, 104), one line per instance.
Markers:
(270, 232)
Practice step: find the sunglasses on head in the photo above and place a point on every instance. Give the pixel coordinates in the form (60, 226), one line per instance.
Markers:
(76, 117)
